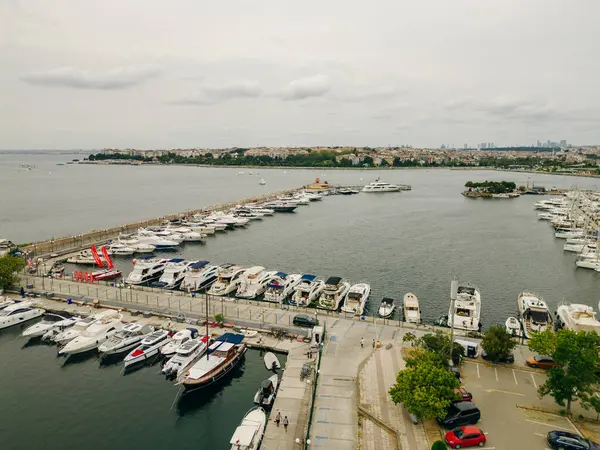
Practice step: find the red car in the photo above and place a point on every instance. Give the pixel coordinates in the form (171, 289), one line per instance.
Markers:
(465, 437)
(462, 395)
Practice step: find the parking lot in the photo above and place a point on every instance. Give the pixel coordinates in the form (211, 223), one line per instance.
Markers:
(497, 391)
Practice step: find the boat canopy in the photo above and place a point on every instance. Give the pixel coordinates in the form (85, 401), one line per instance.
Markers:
(233, 338)
(243, 436)
(387, 301)
(176, 260)
(198, 265)
(334, 281)
(281, 274)
(266, 385)
(308, 277)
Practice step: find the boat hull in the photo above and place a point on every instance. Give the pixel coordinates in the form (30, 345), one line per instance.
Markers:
(216, 375)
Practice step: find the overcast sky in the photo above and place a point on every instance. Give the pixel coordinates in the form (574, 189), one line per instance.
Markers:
(190, 73)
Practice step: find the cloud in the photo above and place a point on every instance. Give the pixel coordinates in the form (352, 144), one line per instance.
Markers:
(71, 77)
(212, 94)
(303, 88)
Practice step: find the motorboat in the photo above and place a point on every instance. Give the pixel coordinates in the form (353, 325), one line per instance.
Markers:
(160, 243)
(84, 257)
(222, 357)
(58, 328)
(179, 338)
(174, 273)
(6, 301)
(380, 186)
(199, 276)
(467, 309)
(106, 274)
(410, 306)
(307, 290)
(534, 313)
(577, 317)
(248, 435)
(263, 211)
(265, 396)
(93, 336)
(254, 284)
(281, 286)
(312, 196)
(356, 299)
(149, 347)
(271, 361)
(262, 182)
(279, 206)
(17, 313)
(513, 327)
(81, 325)
(185, 355)
(247, 213)
(49, 321)
(230, 219)
(228, 279)
(125, 339)
(202, 228)
(120, 249)
(567, 233)
(146, 269)
(333, 294)
(386, 308)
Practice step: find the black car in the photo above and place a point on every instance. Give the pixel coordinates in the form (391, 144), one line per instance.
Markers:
(570, 441)
(508, 358)
(458, 414)
(302, 320)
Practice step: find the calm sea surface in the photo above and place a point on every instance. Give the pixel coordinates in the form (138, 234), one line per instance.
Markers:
(410, 241)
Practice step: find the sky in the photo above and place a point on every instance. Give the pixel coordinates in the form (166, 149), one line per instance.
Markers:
(187, 73)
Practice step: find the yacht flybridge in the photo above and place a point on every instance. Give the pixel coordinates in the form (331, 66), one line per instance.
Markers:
(254, 284)
(199, 276)
(146, 269)
(333, 294)
(228, 279)
(174, 273)
(281, 286)
(307, 290)
(467, 308)
(533, 312)
(93, 336)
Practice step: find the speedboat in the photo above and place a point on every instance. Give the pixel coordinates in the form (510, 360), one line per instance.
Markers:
(223, 356)
(332, 296)
(125, 339)
(467, 309)
(199, 276)
(513, 327)
(254, 283)
(176, 340)
(248, 435)
(17, 313)
(106, 274)
(49, 321)
(185, 355)
(120, 249)
(307, 290)
(386, 308)
(577, 317)
(265, 396)
(92, 337)
(174, 273)
(81, 325)
(51, 333)
(281, 286)
(380, 186)
(534, 313)
(149, 347)
(412, 312)
(263, 211)
(229, 277)
(146, 269)
(356, 299)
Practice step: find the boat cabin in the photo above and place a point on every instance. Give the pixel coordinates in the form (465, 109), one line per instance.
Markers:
(332, 283)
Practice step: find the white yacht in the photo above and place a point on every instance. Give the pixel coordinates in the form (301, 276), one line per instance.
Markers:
(386, 308)
(356, 299)
(307, 290)
(149, 347)
(467, 308)
(253, 285)
(94, 335)
(265, 396)
(588, 261)
(228, 279)
(248, 435)
(577, 317)
(534, 313)
(121, 249)
(49, 321)
(258, 209)
(380, 186)
(185, 355)
(125, 339)
(199, 276)
(80, 326)
(333, 295)
(281, 286)
(181, 337)
(412, 313)
(174, 273)
(146, 270)
(6, 301)
(18, 313)
(567, 233)
(202, 228)
(160, 243)
(513, 327)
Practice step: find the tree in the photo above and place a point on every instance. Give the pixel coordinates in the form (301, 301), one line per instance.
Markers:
(9, 266)
(578, 359)
(497, 342)
(368, 161)
(439, 344)
(384, 163)
(438, 445)
(425, 387)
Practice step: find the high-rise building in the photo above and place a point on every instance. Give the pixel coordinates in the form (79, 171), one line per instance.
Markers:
(563, 143)
(466, 146)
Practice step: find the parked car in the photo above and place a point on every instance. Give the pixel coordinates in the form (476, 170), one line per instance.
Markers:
(465, 437)
(543, 362)
(461, 413)
(570, 441)
(302, 320)
(462, 395)
(508, 358)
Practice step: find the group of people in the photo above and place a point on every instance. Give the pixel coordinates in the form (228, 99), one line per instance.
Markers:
(362, 343)
(286, 422)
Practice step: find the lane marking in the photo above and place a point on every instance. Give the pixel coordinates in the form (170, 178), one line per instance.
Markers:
(540, 435)
(496, 371)
(534, 383)
(505, 392)
(571, 423)
(478, 371)
(515, 376)
(548, 425)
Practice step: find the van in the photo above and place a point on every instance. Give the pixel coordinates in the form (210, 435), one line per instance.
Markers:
(458, 414)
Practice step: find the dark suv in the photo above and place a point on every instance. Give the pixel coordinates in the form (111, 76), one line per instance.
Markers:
(302, 320)
(463, 413)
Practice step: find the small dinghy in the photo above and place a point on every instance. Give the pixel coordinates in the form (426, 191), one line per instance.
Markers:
(149, 347)
(265, 396)
(387, 308)
(248, 333)
(248, 435)
(513, 327)
(178, 338)
(271, 361)
(412, 313)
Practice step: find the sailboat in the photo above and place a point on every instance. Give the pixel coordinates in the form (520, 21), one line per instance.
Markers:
(105, 274)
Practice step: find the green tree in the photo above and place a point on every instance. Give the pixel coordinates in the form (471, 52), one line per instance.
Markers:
(368, 161)
(9, 266)
(577, 355)
(384, 163)
(497, 343)
(438, 445)
(439, 343)
(425, 387)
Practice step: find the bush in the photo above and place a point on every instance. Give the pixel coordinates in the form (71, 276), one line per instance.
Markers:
(438, 445)
(219, 318)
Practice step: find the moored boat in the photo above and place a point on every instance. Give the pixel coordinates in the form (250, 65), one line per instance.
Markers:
(149, 347)
(513, 327)
(412, 312)
(179, 338)
(577, 317)
(248, 435)
(271, 361)
(307, 290)
(265, 396)
(281, 286)
(356, 299)
(467, 308)
(534, 314)
(18, 313)
(49, 321)
(185, 355)
(333, 294)
(386, 308)
(125, 339)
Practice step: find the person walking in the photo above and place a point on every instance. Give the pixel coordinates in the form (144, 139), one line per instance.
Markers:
(285, 423)
(362, 342)
(278, 418)
(373, 343)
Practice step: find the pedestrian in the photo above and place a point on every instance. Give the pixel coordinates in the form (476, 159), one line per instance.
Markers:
(373, 343)
(362, 342)
(278, 418)
(285, 423)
